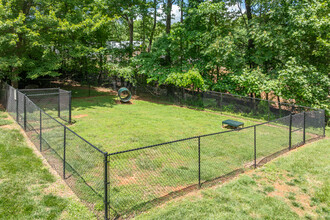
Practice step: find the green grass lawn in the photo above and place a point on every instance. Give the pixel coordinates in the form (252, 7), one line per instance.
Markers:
(27, 189)
(295, 186)
(115, 127)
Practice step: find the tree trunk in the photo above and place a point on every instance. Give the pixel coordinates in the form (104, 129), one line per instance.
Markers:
(168, 29)
(144, 15)
(154, 26)
(181, 11)
(131, 29)
(250, 41)
(279, 105)
(181, 43)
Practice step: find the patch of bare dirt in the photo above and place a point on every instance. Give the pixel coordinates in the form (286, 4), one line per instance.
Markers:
(127, 180)
(80, 116)
(283, 190)
(124, 103)
(11, 126)
(102, 89)
(57, 188)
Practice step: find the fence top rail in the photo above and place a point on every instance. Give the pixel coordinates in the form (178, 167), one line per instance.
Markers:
(45, 94)
(38, 89)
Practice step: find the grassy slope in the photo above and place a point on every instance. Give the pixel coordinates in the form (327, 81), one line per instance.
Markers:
(26, 190)
(291, 187)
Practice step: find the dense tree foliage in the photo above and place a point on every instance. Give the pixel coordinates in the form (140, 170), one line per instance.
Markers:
(247, 47)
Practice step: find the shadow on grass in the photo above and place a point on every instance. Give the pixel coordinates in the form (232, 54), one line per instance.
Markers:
(84, 103)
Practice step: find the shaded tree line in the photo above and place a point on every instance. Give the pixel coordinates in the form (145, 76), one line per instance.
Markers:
(248, 47)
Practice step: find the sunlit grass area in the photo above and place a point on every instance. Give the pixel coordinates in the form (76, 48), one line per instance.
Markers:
(113, 127)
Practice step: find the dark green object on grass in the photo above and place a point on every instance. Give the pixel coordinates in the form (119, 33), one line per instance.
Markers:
(233, 123)
(124, 94)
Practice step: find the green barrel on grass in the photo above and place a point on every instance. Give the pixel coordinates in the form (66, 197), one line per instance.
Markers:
(124, 94)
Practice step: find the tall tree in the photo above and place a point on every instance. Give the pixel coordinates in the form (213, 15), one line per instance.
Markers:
(168, 13)
(155, 3)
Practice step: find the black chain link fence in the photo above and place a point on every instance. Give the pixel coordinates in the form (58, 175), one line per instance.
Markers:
(55, 101)
(80, 164)
(127, 182)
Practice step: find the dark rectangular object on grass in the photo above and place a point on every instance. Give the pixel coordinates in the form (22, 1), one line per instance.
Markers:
(232, 123)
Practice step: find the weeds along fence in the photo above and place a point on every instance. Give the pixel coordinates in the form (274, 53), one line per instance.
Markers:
(127, 182)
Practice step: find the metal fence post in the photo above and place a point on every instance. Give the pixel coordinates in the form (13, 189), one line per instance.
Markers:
(6, 98)
(304, 128)
(25, 112)
(221, 102)
(255, 147)
(70, 97)
(64, 151)
(40, 132)
(106, 211)
(324, 120)
(199, 162)
(59, 103)
(17, 105)
(268, 110)
(290, 130)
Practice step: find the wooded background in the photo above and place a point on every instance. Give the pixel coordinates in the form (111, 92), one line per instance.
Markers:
(249, 47)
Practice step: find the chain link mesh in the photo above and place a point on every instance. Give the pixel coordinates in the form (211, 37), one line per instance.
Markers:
(56, 102)
(85, 170)
(65, 105)
(271, 138)
(33, 122)
(315, 125)
(224, 152)
(3, 95)
(20, 109)
(297, 130)
(139, 177)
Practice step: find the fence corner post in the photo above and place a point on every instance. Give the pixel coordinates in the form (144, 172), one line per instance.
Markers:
(17, 105)
(106, 209)
(221, 102)
(70, 97)
(64, 151)
(59, 103)
(304, 128)
(25, 112)
(268, 110)
(199, 162)
(324, 122)
(40, 131)
(290, 131)
(255, 147)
